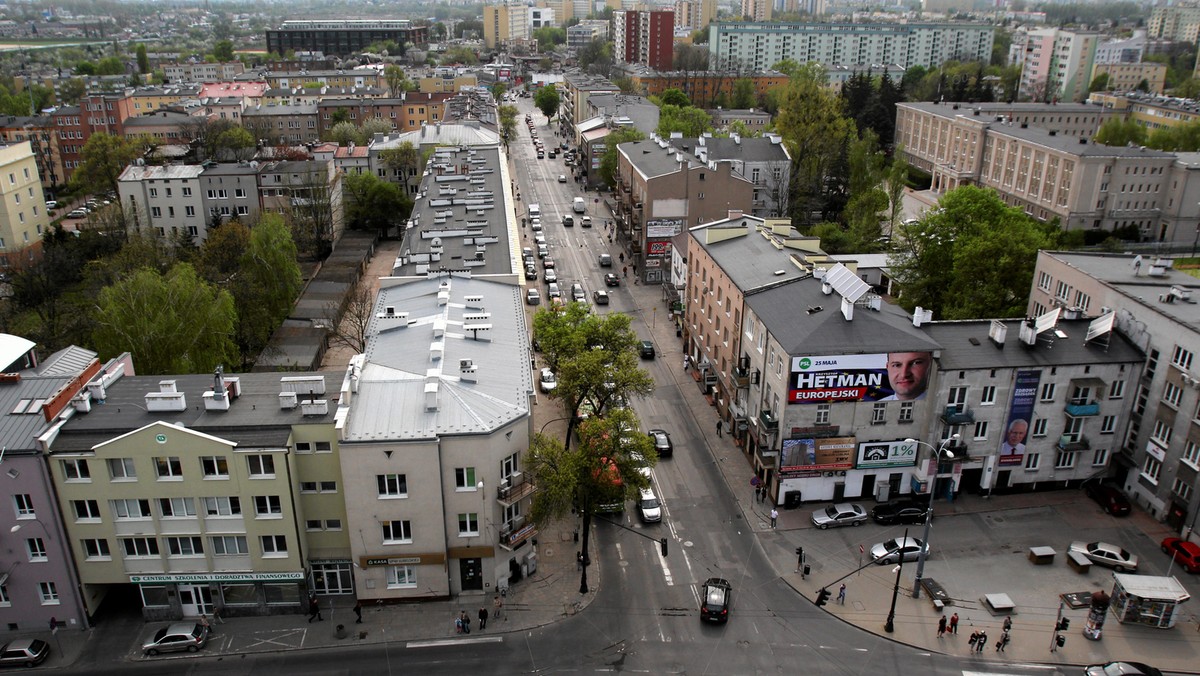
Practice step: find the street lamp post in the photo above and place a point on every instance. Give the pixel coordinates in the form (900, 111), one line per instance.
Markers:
(937, 458)
(890, 625)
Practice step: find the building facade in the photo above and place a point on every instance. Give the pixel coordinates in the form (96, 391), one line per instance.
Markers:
(166, 200)
(23, 213)
(342, 37)
(645, 37)
(1056, 65)
(505, 24)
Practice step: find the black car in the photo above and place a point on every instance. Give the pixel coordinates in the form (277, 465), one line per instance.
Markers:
(1110, 498)
(715, 600)
(900, 511)
(611, 279)
(647, 349)
(662, 443)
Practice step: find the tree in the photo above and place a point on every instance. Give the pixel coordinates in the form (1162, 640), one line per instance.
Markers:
(223, 51)
(744, 95)
(547, 101)
(608, 162)
(972, 257)
(104, 158)
(372, 126)
(396, 79)
(173, 323)
(691, 122)
(349, 322)
(345, 133)
(110, 65)
(596, 57)
(220, 256)
(508, 123)
(266, 285)
(235, 143)
(867, 200)
(1118, 131)
(1099, 83)
(405, 158)
(374, 204)
(143, 61)
(674, 97)
(548, 37)
(897, 179)
(70, 91)
(690, 58)
(498, 89)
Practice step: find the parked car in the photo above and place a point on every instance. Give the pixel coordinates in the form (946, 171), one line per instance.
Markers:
(77, 213)
(1110, 498)
(541, 155)
(600, 297)
(536, 225)
(562, 178)
(612, 279)
(605, 260)
(662, 443)
(553, 290)
(550, 276)
(1122, 669)
(25, 652)
(900, 511)
(533, 297)
(546, 381)
(716, 597)
(177, 637)
(1107, 554)
(890, 551)
(1185, 553)
(842, 514)
(649, 508)
(530, 272)
(51, 204)
(646, 349)
(548, 263)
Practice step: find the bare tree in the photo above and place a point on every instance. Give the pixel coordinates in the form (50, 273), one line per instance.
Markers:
(349, 320)
(778, 178)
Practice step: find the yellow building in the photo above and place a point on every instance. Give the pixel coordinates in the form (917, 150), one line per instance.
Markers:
(1125, 77)
(446, 84)
(149, 99)
(505, 24)
(23, 216)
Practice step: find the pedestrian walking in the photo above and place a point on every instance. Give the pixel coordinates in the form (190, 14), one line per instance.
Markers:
(483, 617)
(204, 623)
(982, 642)
(497, 606)
(1003, 642)
(217, 613)
(458, 624)
(719, 426)
(625, 271)
(622, 257)
(314, 609)
(774, 516)
(942, 628)
(466, 621)
(954, 623)
(1008, 623)
(358, 611)
(842, 595)
(974, 639)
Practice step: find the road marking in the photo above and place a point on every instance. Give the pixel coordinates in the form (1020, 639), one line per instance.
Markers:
(440, 643)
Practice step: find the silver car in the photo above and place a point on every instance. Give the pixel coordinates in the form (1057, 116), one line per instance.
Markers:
(177, 637)
(843, 514)
(890, 551)
(1107, 554)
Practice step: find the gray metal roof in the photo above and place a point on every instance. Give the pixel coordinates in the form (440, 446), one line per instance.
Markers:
(254, 419)
(791, 314)
(751, 261)
(653, 160)
(66, 363)
(1118, 272)
(402, 357)
(965, 345)
(745, 149)
(18, 431)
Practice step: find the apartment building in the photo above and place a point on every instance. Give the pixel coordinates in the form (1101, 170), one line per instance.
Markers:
(505, 24)
(1158, 451)
(755, 121)
(447, 83)
(757, 10)
(342, 37)
(1179, 23)
(695, 14)
(230, 190)
(43, 136)
(583, 33)
(71, 129)
(759, 46)
(358, 77)
(229, 500)
(357, 111)
(443, 503)
(168, 126)
(166, 200)
(645, 37)
(224, 108)
(23, 214)
(1152, 111)
(144, 100)
(422, 109)
(702, 88)
(578, 87)
(541, 17)
(282, 125)
(1128, 77)
(312, 188)
(202, 72)
(1056, 64)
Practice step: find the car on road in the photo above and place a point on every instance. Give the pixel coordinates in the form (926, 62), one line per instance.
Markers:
(562, 178)
(605, 260)
(546, 381)
(646, 349)
(900, 511)
(541, 155)
(890, 551)
(611, 279)
(550, 276)
(177, 637)
(553, 290)
(1121, 669)
(530, 272)
(77, 213)
(1110, 498)
(553, 154)
(841, 514)
(548, 263)
(543, 251)
(662, 443)
(649, 508)
(536, 225)
(533, 297)
(1185, 553)
(716, 597)
(568, 221)
(1107, 554)
(587, 221)
(25, 652)
(600, 297)
(577, 293)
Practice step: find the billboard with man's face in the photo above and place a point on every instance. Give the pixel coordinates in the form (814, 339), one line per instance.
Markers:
(894, 376)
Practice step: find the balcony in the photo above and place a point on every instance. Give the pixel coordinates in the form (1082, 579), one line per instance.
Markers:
(1080, 408)
(516, 487)
(768, 420)
(1073, 442)
(740, 378)
(960, 449)
(952, 415)
(513, 533)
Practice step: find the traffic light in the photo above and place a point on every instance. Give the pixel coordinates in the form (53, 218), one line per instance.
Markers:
(662, 542)
(1062, 625)
(822, 597)
(1060, 640)
(799, 551)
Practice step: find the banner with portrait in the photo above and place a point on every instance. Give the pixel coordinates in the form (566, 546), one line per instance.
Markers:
(1020, 418)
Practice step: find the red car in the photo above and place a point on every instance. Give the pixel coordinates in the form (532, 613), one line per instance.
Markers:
(1185, 553)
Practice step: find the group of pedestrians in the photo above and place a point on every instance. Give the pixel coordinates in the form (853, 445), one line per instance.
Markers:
(979, 638)
(462, 623)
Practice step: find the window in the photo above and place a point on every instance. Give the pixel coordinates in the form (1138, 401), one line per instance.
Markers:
(23, 503)
(957, 398)
(125, 510)
(187, 192)
(1162, 433)
(1181, 358)
(1099, 457)
(324, 447)
(261, 466)
(333, 524)
(304, 447)
(1151, 365)
(156, 212)
(392, 485)
(189, 211)
(169, 468)
(464, 478)
(230, 545)
(1044, 281)
(191, 545)
(139, 547)
(397, 532)
(121, 469)
(1172, 394)
(268, 506)
(1065, 459)
(274, 545)
(981, 429)
(1031, 461)
(36, 549)
(239, 193)
(1183, 489)
(1047, 392)
(328, 487)
(1108, 424)
(879, 413)
(988, 396)
(906, 411)
(1039, 427)
(48, 593)
(214, 467)
(5, 601)
(401, 576)
(822, 414)
(154, 192)
(1151, 469)
(468, 524)
(96, 549)
(76, 470)
(86, 510)
(223, 506)
(177, 508)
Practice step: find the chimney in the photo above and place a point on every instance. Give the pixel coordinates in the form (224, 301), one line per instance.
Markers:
(735, 213)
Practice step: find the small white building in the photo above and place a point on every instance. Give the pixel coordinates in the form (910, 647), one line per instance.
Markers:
(166, 201)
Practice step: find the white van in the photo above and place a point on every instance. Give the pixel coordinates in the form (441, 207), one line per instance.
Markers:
(535, 211)
(579, 206)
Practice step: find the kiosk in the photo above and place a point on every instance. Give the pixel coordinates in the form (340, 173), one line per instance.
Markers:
(1147, 600)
